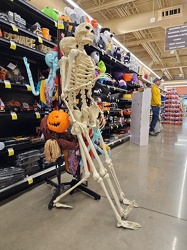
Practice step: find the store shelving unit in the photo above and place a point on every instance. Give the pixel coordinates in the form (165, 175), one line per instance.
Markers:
(23, 123)
(18, 125)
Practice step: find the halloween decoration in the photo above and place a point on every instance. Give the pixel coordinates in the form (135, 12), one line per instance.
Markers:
(105, 38)
(78, 74)
(117, 54)
(3, 73)
(17, 19)
(29, 42)
(46, 88)
(58, 121)
(43, 48)
(50, 13)
(95, 55)
(4, 16)
(52, 150)
(127, 59)
(2, 105)
(14, 75)
(45, 34)
(36, 29)
(76, 15)
(102, 66)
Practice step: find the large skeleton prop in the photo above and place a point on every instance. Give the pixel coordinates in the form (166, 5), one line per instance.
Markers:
(78, 74)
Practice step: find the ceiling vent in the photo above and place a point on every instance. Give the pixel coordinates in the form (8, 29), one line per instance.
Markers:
(171, 12)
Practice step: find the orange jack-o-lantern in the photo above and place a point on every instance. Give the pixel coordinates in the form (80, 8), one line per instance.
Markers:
(58, 121)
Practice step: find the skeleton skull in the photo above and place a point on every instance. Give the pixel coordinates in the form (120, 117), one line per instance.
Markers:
(66, 44)
(84, 33)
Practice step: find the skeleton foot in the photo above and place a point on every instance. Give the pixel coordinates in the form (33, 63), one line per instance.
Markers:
(128, 202)
(127, 211)
(129, 224)
(60, 205)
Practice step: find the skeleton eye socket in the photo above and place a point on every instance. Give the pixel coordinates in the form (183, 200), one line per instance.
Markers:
(87, 27)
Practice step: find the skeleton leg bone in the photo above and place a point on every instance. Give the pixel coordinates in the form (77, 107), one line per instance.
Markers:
(113, 173)
(105, 175)
(97, 177)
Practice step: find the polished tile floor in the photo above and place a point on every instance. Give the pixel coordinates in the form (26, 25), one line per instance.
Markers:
(154, 175)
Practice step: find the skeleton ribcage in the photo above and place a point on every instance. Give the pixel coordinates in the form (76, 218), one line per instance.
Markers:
(83, 70)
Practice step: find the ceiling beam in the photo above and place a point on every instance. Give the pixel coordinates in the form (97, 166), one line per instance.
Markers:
(141, 21)
(141, 41)
(167, 74)
(107, 5)
(174, 67)
(175, 83)
(182, 72)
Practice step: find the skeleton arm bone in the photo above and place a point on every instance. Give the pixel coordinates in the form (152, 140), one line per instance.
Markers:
(62, 64)
(73, 53)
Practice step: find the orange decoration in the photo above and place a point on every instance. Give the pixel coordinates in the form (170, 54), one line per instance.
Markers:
(58, 121)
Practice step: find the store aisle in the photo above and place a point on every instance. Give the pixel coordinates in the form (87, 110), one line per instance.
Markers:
(155, 176)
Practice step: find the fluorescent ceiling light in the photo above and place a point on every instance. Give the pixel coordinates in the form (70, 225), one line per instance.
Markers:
(72, 3)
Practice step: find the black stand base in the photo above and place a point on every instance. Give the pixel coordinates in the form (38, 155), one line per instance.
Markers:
(60, 186)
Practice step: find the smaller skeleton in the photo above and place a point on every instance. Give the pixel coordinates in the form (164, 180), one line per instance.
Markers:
(78, 74)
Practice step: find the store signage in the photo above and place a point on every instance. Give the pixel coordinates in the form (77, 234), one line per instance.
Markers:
(176, 37)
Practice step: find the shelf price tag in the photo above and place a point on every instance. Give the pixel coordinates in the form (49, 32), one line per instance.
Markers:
(55, 23)
(120, 140)
(60, 25)
(40, 39)
(7, 84)
(110, 57)
(14, 27)
(12, 45)
(103, 53)
(30, 181)
(14, 116)
(28, 87)
(38, 116)
(10, 151)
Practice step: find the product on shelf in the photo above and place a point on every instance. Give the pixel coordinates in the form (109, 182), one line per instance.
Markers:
(3, 73)
(10, 175)
(172, 109)
(36, 29)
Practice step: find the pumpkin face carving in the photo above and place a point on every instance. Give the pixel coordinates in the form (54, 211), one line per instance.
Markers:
(58, 121)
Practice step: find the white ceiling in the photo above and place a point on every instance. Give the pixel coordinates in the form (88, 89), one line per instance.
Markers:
(130, 21)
